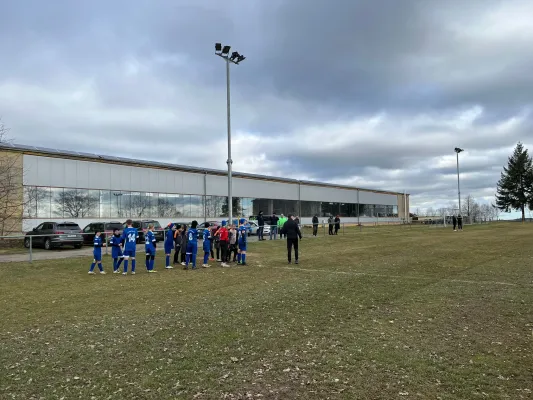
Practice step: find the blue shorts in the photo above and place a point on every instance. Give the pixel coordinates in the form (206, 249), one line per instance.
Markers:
(207, 246)
(169, 247)
(97, 256)
(116, 252)
(129, 253)
(192, 248)
(150, 250)
(242, 246)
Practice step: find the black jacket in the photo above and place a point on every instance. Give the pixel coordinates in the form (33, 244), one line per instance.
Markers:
(291, 229)
(260, 221)
(315, 220)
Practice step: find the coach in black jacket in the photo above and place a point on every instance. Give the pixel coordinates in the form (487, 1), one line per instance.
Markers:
(261, 224)
(292, 231)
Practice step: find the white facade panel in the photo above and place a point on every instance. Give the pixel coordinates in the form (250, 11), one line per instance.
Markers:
(71, 173)
(264, 189)
(328, 194)
(193, 183)
(56, 171)
(82, 174)
(217, 185)
(31, 170)
(377, 198)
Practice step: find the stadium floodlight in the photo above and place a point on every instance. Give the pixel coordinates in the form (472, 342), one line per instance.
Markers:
(234, 58)
(457, 151)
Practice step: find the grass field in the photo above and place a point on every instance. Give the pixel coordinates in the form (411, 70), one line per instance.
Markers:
(387, 314)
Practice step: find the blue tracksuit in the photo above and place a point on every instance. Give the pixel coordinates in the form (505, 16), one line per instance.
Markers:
(116, 251)
(169, 241)
(192, 247)
(97, 253)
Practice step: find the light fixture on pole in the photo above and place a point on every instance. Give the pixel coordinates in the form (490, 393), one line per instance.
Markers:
(458, 150)
(234, 58)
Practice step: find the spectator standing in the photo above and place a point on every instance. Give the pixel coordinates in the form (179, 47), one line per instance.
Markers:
(292, 232)
(281, 221)
(454, 220)
(337, 224)
(261, 224)
(177, 244)
(330, 225)
(184, 241)
(232, 244)
(460, 222)
(274, 226)
(315, 225)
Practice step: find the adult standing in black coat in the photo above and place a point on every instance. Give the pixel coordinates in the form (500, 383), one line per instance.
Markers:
(460, 222)
(454, 220)
(292, 231)
(315, 225)
(330, 225)
(261, 224)
(337, 224)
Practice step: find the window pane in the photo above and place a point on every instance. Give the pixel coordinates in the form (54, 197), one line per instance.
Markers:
(197, 207)
(247, 207)
(260, 205)
(186, 204)
(43, 202)
(56, 202)
(140, 205)
(30, 202)
(95, 203)
(165, 206)
(116, 204)
(105, 203)
(311, 208)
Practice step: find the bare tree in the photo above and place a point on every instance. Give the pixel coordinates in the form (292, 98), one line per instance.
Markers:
(165, 208)
(75, 203)
(33, 196)
(430, 212)
(140, 205)
(11, 193)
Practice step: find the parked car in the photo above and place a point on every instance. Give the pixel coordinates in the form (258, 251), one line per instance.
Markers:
(90, 230)
(142, 227)
(201, 227)
(54, 235)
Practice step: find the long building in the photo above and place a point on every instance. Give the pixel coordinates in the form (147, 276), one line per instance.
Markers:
(75, 186)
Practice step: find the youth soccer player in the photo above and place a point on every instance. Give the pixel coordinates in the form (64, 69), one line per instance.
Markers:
(232, 244)
(169, 244)
(223, 234)
(129, 237)
(206, 244)
(243, 242)
(116, 251)
(149, 247)
(177, 244)
(97, 253)
(192, 245)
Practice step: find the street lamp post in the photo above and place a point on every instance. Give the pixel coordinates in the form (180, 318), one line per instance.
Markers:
(235, 58)
(458, 150)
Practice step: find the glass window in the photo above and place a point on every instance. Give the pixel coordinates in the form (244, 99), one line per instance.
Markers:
(311, 208)
(30, 202)
(260, 205)
(57, 206)
(218, 206)
(116, 206)
(185, 200)
(152, 204)
(247, 207)
(165, 206)
(94, 201)
(43, 202)
(140, 205)
(285, 207)
(197, 206)
(330, 209)
(348, 210)
(105, 204)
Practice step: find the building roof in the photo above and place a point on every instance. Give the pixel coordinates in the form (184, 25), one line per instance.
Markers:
(78, 155)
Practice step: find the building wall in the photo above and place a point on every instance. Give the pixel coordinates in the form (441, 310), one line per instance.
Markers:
(11, 193)
(104, 180)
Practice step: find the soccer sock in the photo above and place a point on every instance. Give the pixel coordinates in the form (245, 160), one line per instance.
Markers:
(152, 262)
(133, 265)
(194, 260)
(115, 262)
(119, 262)
(239, 257)
(147, 262)
(244, 258)
(167, 261)
(100, 267)
(187, 259)
(126, 265)
(92, 267)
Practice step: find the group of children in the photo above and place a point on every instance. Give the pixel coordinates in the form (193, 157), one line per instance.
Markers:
(183, 241)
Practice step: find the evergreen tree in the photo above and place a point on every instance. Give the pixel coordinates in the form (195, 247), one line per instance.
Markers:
(515, 187)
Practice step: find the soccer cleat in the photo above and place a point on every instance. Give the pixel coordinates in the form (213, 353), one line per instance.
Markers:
(133, 273)
(224, 265)
(205, 265)
(102, 272)
(169, 267)
(183, 264)
(296, 262)
(124, 273)
(116, 271)
(218, 260)
(91, 272)
(151, 271)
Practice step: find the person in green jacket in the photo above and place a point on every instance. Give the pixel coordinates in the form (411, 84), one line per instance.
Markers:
(281, 222)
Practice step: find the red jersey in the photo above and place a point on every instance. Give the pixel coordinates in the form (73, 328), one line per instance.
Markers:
(223, 233)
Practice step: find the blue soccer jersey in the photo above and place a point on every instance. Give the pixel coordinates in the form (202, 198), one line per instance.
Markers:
(149, 242)
(243, 232)
(192, 237)
(130, 236)
(207, 241)
(115, 241)
(169, 241)
(97, 251)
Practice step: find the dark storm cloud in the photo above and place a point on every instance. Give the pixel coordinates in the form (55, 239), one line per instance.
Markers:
(374, 93)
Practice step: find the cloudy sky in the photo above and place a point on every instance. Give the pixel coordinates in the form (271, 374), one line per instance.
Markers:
(373, 93)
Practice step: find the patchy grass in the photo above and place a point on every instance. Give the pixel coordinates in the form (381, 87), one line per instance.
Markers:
(388, 313)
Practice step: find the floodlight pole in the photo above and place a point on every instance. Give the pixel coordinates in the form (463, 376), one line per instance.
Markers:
(235, 58)
(230, 161)
(457, 151)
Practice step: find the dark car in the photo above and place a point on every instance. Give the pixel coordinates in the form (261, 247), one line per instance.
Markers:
(142, 227)
(90, 230)
(52, 235)
(201, 227)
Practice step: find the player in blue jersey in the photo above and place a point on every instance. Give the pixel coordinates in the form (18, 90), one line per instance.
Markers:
(97, 253)
(243, 242)
(169, 244)
(206, 244)
(149, 246)
(192, 245)
(116, 250)
(129, 237)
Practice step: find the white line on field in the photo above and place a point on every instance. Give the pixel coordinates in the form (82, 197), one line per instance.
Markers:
(400, 276)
